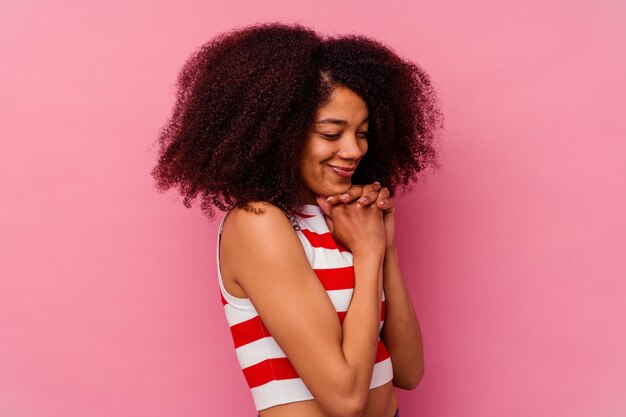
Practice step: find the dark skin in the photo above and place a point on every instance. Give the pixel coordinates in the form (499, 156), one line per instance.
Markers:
(366, 195)
(401, 332)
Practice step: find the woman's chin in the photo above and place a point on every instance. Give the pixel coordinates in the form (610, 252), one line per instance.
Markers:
(332, 189)
(339, 189)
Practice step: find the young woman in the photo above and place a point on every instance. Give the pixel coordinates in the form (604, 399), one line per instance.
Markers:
(292, 135)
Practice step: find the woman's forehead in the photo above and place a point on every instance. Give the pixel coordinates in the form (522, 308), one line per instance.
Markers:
(344, 107)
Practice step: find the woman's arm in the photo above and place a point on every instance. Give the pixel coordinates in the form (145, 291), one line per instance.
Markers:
(401, 332)
(335, 364)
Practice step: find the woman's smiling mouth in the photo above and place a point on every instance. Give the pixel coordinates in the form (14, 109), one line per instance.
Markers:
(343, 172)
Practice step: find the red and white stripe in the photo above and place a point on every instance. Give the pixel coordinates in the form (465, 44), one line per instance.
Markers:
(269, 374)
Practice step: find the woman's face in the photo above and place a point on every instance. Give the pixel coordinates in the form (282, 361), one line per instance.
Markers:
(335, 145)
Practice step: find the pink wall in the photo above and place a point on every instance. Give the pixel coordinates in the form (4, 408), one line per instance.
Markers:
(514, 252)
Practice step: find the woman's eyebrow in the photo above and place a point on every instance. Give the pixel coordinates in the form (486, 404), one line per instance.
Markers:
(337, 121)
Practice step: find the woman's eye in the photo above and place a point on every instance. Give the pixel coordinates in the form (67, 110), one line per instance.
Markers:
(331, 136)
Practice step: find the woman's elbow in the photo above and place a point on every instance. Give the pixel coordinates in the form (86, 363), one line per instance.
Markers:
(342, 398)
(351, 406)
(414, 382)
(356, 406)
(409, 381)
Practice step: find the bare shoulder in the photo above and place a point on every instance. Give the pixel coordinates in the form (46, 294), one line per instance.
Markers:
(260, 232)
(257, 220)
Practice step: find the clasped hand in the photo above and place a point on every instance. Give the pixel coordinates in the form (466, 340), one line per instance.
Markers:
(366, 195)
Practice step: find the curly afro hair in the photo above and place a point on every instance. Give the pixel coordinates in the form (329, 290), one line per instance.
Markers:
(247, 99)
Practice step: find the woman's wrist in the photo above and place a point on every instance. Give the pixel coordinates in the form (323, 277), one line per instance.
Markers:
(370, 253)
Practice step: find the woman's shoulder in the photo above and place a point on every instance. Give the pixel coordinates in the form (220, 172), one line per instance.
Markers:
(257, 209)
(259, 235)
(257, 220)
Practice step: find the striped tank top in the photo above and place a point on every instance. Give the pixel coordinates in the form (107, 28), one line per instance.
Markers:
(269, 374)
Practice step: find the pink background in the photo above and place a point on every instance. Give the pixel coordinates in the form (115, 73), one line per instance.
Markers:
(514, 252)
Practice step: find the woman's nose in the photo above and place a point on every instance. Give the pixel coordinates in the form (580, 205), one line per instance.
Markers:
(351, 148)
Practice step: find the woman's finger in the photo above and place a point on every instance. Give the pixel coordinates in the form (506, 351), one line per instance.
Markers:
(383, 193)
(370, 194)
(324, 205)
(326, 208)
(384, 201)
(352, 194)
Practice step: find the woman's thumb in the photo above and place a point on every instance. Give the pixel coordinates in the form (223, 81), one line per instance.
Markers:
(325, 206)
